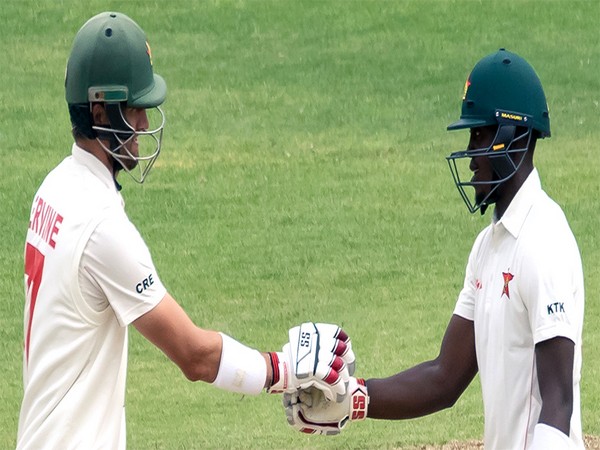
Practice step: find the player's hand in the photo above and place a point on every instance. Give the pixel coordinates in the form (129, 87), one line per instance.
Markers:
(317, 355)
(308, 411)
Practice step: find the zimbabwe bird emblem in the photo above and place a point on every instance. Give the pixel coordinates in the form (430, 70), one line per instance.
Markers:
(507, 279)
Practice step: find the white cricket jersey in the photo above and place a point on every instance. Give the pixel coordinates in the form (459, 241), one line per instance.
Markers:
(88, 274)
(523, 285)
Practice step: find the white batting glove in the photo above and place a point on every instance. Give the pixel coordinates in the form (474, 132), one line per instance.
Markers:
(318, 355)
(308, 411)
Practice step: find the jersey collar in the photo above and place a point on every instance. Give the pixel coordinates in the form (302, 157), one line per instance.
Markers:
(516, 213)
(95, 166)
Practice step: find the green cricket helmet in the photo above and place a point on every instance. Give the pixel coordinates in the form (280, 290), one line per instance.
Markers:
(503, 90)
(111, 63)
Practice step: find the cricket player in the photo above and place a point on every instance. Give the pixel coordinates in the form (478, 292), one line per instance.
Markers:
(518, 319)
(89, 273)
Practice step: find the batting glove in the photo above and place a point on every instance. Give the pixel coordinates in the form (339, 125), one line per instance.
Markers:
(308, 411)
(318, 355)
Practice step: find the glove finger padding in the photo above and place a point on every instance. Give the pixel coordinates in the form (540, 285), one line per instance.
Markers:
(308, 411)
(295, 405)
(317, 359)
(342, 344)
(333, 384)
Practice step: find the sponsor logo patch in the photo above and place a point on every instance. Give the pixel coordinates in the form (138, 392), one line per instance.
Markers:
(555, 308)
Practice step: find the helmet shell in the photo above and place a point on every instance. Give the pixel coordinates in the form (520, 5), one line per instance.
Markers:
(111, 61)
(504, 85)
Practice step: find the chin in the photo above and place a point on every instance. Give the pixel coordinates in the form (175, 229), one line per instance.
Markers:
(130, 164)
(479, 197)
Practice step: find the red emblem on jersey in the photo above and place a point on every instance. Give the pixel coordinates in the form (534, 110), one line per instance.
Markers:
(507, 278)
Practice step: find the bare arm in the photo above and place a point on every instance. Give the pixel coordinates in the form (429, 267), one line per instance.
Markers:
(554, 361)
(430, 386)
(196, 351)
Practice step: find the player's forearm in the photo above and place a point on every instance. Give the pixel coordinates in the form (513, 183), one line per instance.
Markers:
(557, 409)
(416, 392)
(559, 418)
(554, 360)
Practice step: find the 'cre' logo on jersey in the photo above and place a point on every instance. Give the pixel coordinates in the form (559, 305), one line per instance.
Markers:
(141, 287)
(555, 308)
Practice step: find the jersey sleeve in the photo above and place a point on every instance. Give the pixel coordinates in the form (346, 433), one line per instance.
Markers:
(550, 291)
(465, 305)
(117, 261)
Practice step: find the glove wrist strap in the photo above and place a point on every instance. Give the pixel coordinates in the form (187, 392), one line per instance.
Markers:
(359, 400)
(280, 368)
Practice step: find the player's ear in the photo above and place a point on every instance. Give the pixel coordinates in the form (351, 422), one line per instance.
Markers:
(99, 115)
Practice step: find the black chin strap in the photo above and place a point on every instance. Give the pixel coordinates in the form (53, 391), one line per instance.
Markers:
(117, 185)
(113, 143)
(501, 162)
(115, 122)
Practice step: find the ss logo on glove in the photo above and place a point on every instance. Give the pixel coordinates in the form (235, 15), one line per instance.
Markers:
(317, 355)
(305, 339)
(359, 406)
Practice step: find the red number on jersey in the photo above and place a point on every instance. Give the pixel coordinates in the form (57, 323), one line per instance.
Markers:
(34, 266)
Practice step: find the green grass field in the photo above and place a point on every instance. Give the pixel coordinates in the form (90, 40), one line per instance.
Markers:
(303, 178)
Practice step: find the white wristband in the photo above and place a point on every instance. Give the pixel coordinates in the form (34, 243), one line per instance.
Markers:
(242, 369)
(546, 437)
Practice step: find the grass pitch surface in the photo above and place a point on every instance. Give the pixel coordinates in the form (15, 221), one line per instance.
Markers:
(303, 178)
